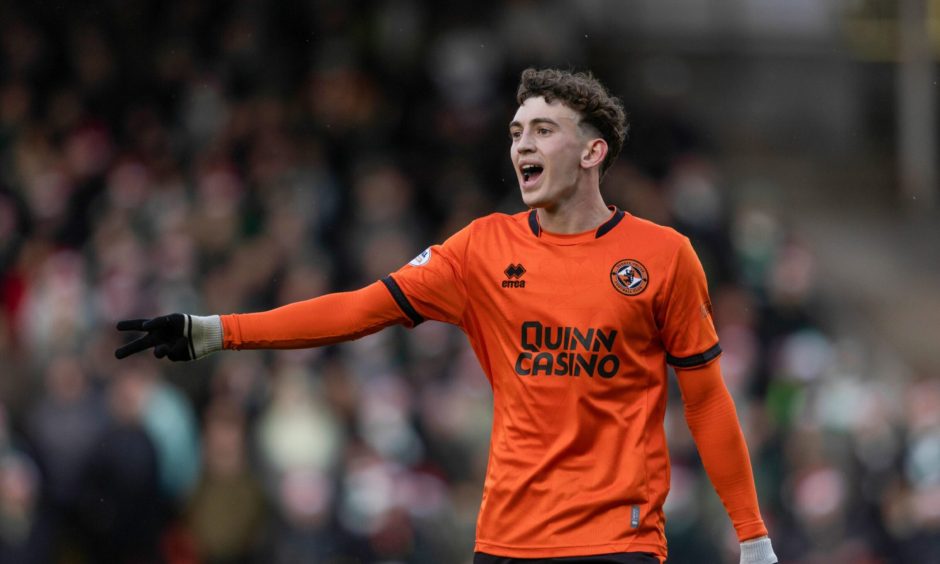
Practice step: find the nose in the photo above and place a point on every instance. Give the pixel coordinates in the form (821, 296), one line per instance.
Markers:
(525, 144)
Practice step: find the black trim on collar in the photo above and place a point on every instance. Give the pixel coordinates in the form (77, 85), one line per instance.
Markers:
(610, 223)
(601, 231)
(695, 359)
(534, 223)
(402, 300)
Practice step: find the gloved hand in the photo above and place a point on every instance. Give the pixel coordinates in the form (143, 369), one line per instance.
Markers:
(758, 551)
(177, 336)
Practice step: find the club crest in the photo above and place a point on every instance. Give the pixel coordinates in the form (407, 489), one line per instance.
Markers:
(629, 277)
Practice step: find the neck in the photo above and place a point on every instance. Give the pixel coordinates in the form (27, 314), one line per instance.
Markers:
(583, 212)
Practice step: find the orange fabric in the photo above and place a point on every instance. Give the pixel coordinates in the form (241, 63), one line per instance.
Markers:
(574, 333)
(320, 321)
(713, 420)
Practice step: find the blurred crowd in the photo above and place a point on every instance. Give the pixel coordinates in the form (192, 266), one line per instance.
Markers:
(231, 156)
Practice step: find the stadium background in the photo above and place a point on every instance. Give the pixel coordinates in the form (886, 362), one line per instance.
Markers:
(232, 155)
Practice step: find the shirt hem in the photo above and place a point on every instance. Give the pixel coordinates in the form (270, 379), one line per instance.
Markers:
(565, 551)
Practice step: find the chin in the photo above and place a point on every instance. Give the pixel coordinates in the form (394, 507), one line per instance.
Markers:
(533, 200)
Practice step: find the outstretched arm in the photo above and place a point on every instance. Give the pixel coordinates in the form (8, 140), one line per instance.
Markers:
(713, 420)
(325, 320)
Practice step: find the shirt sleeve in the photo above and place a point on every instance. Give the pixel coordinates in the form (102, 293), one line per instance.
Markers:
(687, 329)
(329, 319)
(433, 285)
(713, 421)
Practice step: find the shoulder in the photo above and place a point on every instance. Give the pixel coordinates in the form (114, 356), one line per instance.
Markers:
(663, 237)
(486, 231)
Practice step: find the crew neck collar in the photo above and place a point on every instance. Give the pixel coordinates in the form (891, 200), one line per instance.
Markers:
(616, 216)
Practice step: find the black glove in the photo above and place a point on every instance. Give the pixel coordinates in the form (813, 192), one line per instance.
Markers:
(177, 336)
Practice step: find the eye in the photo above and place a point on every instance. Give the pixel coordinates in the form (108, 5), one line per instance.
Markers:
(543, 131)
(515, 135)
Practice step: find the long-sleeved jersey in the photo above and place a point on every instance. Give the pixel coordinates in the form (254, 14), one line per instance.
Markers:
(574, 333)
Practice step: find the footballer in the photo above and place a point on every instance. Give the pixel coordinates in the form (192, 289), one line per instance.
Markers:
(574, 309)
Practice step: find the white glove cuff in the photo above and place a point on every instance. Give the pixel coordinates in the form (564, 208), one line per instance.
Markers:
(206, 335)
(758, 551)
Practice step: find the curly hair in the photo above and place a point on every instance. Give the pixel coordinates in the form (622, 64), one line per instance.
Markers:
(583, 93)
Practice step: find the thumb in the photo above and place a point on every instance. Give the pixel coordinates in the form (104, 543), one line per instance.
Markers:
(161, 351)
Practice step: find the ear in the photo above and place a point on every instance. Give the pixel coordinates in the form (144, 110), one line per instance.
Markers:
(594, 153)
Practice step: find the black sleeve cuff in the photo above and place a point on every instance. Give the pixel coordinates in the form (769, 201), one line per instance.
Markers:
(696, 359)
(402, 301)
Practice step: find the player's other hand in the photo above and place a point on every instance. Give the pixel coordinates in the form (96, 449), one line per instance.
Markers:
(177, 336)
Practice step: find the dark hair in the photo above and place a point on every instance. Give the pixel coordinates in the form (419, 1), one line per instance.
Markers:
(583, 93)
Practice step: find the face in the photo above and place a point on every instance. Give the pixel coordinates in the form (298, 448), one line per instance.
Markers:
(549, 152)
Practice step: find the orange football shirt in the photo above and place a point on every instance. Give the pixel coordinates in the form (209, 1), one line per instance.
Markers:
(574, 333)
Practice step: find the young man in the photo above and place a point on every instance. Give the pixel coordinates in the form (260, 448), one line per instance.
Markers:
(574, 310)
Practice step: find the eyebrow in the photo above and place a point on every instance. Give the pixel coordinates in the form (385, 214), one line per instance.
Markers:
(535, 121)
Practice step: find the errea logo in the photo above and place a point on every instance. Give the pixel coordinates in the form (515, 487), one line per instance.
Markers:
(514, 273)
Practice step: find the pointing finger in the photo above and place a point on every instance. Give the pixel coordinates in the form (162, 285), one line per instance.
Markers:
(136, 346)
(131, 325)
(156, 323)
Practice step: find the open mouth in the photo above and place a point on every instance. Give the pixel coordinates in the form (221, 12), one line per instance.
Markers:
(531, 172)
